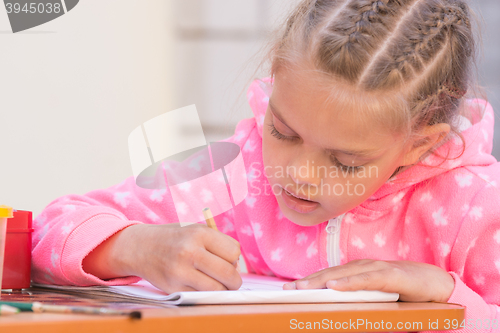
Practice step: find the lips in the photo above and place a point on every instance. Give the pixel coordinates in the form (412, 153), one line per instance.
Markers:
(297, 196)
(298, 203)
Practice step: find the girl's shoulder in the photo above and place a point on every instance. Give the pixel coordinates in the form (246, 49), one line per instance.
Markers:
(461, 192)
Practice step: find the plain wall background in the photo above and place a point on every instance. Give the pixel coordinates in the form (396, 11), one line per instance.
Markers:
(72, 90)
(489, 65)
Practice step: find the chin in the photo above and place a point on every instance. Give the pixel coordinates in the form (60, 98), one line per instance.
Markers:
(305, 224)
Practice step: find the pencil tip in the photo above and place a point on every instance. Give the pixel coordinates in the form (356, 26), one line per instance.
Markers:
(135, 315)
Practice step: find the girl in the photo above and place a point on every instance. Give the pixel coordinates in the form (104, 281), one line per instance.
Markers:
(367, 169)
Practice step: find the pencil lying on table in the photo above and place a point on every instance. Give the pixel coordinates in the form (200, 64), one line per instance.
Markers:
(40, 307)
(8, 310)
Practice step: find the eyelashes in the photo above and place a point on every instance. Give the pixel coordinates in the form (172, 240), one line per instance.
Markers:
(335, 161)
(278, 135)
(343, 167)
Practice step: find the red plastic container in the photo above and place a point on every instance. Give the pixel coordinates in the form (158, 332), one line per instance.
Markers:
(17, 260)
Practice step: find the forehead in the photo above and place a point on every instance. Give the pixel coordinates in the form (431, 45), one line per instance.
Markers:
(328, 115)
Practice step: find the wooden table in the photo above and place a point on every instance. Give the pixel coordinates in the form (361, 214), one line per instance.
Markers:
(275, 318)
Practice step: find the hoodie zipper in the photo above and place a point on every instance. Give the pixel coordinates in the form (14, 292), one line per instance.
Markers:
(333, 241)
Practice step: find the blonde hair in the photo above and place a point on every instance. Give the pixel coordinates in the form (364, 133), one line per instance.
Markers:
(415, 58)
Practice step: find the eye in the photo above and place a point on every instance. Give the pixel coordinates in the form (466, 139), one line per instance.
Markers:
(278, 135)
(343, 167)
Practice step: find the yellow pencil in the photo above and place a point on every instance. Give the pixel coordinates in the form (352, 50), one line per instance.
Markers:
(209, 218)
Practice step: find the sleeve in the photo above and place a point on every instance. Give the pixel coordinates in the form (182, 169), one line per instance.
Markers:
(70, 227)
(475, 263)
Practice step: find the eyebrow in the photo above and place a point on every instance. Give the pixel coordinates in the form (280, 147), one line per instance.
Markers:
(361, 152)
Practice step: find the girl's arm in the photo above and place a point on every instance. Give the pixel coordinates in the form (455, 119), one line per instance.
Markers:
(475, 261)
(71, 227)
(74, 234)
(95, 243)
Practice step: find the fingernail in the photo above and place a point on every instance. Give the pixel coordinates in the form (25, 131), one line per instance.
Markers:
(331, 283)
(289, 286)
(303, 283)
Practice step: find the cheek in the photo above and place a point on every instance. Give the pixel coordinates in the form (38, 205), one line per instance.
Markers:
(269, 150)
(377, 175)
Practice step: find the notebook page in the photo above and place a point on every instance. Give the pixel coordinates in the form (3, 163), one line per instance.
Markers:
(256, 289)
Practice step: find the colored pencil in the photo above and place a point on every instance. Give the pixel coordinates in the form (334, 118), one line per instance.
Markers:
(40, 307)
(8, 310)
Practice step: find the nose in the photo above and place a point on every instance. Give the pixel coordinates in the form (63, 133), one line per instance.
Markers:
(305, 171)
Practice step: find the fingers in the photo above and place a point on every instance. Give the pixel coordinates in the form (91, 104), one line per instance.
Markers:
(193, 281)
(223, 246)
(371, 280)
(210, 259)
(170, 288)
(319, 279)
(217, 269)
(202, 272)
(216, 242)
(342, 267)
(413, 281)
(189, 258)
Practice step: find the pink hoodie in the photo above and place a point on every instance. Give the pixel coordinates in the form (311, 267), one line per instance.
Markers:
(445, 214)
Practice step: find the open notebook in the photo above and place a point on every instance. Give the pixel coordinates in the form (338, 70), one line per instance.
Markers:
(255, 289)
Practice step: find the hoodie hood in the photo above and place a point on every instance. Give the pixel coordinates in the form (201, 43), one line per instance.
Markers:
(476, 131)
(473, 149)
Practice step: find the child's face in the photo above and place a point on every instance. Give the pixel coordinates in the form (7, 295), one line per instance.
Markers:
(322, 153)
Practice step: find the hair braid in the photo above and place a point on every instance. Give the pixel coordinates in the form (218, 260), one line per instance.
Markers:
(367, 14)
(345, 44)
(411, 59)
(414, 51)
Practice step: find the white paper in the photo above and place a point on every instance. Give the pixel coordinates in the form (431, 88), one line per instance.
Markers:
(256, 289)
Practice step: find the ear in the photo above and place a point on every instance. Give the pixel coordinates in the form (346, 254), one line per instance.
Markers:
(427, 138)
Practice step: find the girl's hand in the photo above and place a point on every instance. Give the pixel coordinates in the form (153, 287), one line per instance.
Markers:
(171, 257)
(414, 281)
